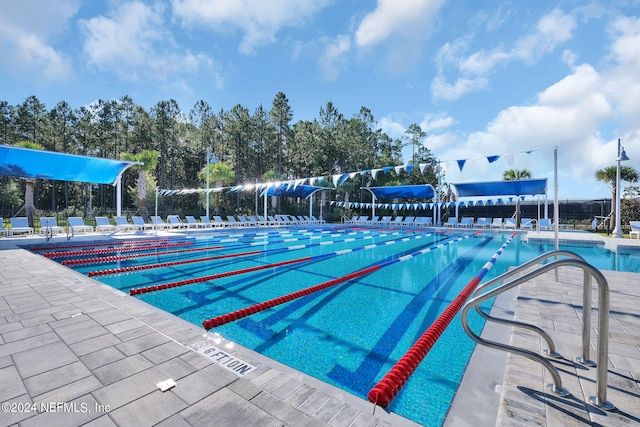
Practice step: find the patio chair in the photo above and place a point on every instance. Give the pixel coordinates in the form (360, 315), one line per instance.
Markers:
(158, 223)
(317, 221)
(397, 220)
(635, 229)
(192, 222)
(19, 225)
(510, 223)
(545, 224)
(206, 222)
(123, 225)
(255, 221)
(526, 224)
(423, 221)
(497, 223)
(384, 220)
(483, 222)
(103, 224)
(233, 222)
(50, 225)
(409, 220)
(283, 220)
(452, 221)
(219, 222)
(174, 221)
(243, 220)
(77, 225)
(139, 222)
(466, 222)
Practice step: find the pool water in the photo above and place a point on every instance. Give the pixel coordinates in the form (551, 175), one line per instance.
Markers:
(351, 334)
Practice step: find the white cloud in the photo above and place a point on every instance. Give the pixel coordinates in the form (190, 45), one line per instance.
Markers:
(259, 21)
(332, 59)
(133, 43)
(433, 122)
(552, 30)
(28, 30)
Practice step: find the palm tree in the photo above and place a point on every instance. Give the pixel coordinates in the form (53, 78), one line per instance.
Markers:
(608, 175)
(149, 160)
(220, 174)
(514, 175)
(30, 183)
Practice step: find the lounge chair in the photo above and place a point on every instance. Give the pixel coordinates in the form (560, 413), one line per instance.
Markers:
(452, 221)
(384, 220)
(497, 223)
(317, 221)
(545, 224)
(283, 220)
(77, 225)
(158, 223)
(466, 222)
(233, 222)
(192, 222)
(408, 220)
(510, 223)
(352, 220)
(526, 224)
(423, 221)
(262, 220)
(174, 221)
(635, 229)
(219, 222)
(206, 222)
(397, 220)
(20, 224)
(252, 220)
(50, 225)
(103, 225)
(139, 222)
(3, 230)
(243, 220)
(123, 225)
(483, 222)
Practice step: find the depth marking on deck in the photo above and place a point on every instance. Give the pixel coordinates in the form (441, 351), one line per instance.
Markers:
(222, 358)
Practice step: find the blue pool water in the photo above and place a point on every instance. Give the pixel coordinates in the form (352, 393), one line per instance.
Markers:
(351, 334)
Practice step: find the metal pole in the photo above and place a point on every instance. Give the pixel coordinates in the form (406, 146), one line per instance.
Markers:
(207, 165)
(119, 195)
(617, 231)
(556, 208)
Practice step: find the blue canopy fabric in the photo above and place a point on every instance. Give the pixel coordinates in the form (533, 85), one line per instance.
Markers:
(403, 192)
(28, 163)
(523, 187)
(287, 190)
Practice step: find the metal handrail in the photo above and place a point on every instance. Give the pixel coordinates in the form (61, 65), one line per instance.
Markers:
(70, 229)
(551, 351)
(600, 399)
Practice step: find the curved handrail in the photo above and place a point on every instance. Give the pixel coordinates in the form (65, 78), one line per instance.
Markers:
(600, 399)
(551, 352)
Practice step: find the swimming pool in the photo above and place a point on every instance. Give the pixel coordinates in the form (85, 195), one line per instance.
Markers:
(348, 335)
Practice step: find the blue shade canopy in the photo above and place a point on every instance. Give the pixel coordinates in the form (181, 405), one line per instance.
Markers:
(523, 187)
(287, 190)
(28, 163)
(403, 192)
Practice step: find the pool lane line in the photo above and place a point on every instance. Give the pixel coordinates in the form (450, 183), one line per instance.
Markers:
(232, 255)
(153, 288)
(247, 311)
(94, 244)
(115, 258)
(54, 255)
(388, 387)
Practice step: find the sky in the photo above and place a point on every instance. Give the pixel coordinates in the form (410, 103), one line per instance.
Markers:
(482, 78)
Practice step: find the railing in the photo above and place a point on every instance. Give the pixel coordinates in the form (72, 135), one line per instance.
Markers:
(70, 232)
(573, 260)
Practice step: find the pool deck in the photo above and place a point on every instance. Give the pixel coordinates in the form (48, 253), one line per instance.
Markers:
(76, 352)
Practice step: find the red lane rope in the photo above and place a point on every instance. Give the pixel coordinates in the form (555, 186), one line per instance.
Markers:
(153, 288)
(391, 384)
(93, 244)
(247, 311)
(109, 250)
(114, 258)
(168, 264)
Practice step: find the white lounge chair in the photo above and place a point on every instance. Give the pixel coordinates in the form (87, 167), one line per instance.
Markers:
(452, 221)
(50, 225)
(317, 221)
(123, 225)
(423, 221)
(243, 220)
(635, 229)
(526, 224)
(77, 225)
(483, 222)
(158, 223)
(219, 222)
(19, 225)
(254, 221)
(206, 222)
(174, 221)
(103, 224)
(496, 223)
(192, 222)
(139, 222)
(233, 222)
(510, 223)
(408, 220)
(545, 224)
(466, 222)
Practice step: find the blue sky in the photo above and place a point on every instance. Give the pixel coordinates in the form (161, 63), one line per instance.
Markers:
(482, 78)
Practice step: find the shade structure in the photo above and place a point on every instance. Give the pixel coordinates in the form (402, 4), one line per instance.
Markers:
(28, 163)
(523, 187)
(403, 192)
(287, 190)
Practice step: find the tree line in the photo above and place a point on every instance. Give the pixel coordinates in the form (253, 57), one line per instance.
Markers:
(257, 146)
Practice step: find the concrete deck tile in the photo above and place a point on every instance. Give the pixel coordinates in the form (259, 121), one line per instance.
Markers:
(42, 359)
(228, 409)
(11, 383)
(70, 391)
(286, 414)
(55, 378)
(164, 352)
(74, 412)
(174, 421)
(148, 410)
(16, 413)
(20, 334)
(94, 344)
(200, 384)
(122, 368)
(101, 357)
(143, 343)
(28, 343)
(109, 316)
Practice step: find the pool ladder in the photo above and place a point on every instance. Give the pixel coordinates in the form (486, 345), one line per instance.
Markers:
(483, 293)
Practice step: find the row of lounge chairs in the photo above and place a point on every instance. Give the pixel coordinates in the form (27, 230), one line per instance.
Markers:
(76, 225)
(465, 222)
